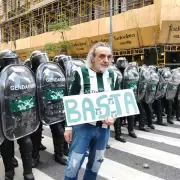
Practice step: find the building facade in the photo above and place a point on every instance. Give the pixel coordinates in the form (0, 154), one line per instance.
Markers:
(146, 31)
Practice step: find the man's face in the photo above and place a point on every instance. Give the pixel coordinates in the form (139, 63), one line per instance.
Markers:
(102, 59)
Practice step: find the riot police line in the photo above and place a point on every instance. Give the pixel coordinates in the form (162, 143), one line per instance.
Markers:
(31, 96)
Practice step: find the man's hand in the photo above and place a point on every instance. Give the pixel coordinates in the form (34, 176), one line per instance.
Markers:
(68, 136)
(109, 121)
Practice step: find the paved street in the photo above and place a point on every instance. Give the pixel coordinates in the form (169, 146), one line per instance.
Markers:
(160, 149)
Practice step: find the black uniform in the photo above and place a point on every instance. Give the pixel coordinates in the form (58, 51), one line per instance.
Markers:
(14, 132)
(144, 78)
(121, 65)
(36, 59)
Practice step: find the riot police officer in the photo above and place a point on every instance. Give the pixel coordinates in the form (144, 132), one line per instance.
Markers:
(144, 78)
(150, 95)
(66, 64)
(27, 63)
(121, 65)
(37, 58)
(18, 120)
(171, 91)
(164, 78)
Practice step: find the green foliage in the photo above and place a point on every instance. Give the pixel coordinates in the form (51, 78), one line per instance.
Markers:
(51, 47)
(59, 26)
(64, 45)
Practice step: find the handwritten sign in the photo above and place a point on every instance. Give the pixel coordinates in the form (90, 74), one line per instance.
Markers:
(88, 108)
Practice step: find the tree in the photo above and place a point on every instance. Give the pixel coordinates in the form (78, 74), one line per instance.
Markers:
(59, 26)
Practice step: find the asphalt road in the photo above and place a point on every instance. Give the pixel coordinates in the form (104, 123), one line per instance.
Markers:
(159, 149)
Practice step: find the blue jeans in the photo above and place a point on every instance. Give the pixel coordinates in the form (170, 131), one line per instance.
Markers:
(86, 136)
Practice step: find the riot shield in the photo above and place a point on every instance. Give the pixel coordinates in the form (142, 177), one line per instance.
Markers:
(51, 88)
(78, 63)
(173, 84)
(151, 87)
(131, 78)
(18, 102)
(119, 75)
(144, 78)
(164, 78)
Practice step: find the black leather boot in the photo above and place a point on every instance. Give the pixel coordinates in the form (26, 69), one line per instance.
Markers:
(144, 129)
(27, 165)
(25, 145)
(9, 175)
(117, 129)
(59, 151)
(36, 142)
(35, 159)
(7, 153)
(42, 147)
(132, 134)
(159, 114)
(58, 141)
(14, 162)
(151, 126)
(169, 111)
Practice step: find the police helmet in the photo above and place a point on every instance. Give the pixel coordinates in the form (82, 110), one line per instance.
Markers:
(27, 63)
(121, 63)
(36, 58)
(8, 57)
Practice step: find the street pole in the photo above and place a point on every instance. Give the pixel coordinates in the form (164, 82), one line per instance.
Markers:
(111, 14)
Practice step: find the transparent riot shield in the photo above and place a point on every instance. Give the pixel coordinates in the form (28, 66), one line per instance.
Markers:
(144, 78)
(164, 78)
(131, 78)
(119, 75)
(51, 89)
(151, 87)
(173, 84)
(18, 102)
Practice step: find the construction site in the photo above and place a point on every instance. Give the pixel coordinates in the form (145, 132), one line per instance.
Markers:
(142, 31)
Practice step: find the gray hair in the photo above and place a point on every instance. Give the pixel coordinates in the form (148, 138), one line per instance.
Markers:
(92, 52)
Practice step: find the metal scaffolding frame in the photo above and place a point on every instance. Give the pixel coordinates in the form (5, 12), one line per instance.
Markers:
(24, 18)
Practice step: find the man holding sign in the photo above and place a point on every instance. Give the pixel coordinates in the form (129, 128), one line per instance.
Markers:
(88, 115)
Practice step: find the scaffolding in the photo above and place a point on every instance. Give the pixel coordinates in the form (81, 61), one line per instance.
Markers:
(24, 18)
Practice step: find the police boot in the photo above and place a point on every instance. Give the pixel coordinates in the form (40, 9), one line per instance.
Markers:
(117, 129)
(142, 123)
(169, 119)
(27, 165)
(9, 175)
(7, 152)
(132, 134)
(36, 141)
(58, 141)
(160, 119)
(42, 147)
(130, 120)
(35, 159)
(169, 112)
(66, 148)
(143, 129)
(25, 146)
(14, 162)
(59, 150)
